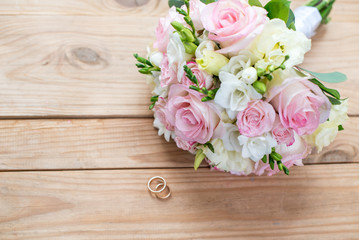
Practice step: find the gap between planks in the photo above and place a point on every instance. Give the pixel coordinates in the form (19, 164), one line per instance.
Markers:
(155, 168)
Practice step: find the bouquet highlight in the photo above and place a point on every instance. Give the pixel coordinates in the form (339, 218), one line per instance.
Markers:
(227, 87)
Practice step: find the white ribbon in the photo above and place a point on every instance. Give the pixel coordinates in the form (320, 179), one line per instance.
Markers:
(307, 20)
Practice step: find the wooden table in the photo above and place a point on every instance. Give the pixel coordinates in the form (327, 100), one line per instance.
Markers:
(77, 145)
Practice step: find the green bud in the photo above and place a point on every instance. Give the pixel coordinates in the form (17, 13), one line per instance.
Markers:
(190, 47)
(140, 65)
(286, 170)
(144, 70)
(264, 159)
(181, 11)
(177, 25)
(186, 35)
(283, 67)
(269, 77)
(260, 72)
(276, 156)
(188, 20)
(280, 166)
(271, 68)
(194, 88)
(286, 58)
(260, 87)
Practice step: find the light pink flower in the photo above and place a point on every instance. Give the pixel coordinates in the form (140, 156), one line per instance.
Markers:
(256, 119)
(164, 28)
(292, 155)
(281, 134)
(185, 145)
(193, 120)
(196, 6)
(301, 105)
(160, 113)
(233, 23)
(168, 73)
(204, 79)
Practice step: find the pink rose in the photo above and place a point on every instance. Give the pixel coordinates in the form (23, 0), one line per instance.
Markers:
(196, 7)
(160, 113)
(193, 120)
(301, 105)
(204, 79)
(256, 119)
(164, 28)
(281, 134)
(233, 23)
(292, 155)
(184, 145)
(168, 73)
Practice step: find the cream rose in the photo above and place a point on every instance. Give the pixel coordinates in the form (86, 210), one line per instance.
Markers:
(276, 41)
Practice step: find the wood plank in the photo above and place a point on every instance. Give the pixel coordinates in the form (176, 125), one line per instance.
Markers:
(82, 66)
(118, 143)
(315, 202)
(345, 10)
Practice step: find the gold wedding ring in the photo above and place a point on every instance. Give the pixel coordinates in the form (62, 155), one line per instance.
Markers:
(161, 190)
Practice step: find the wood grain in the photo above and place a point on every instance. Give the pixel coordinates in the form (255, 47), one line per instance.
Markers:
(119, 143)
(82, 66)
(315, 202)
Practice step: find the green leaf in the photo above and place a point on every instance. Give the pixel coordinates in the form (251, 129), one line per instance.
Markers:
(176, 3)
(256, 3)
(210, 146)
(264, 159)
(330, 91)
(334, 77)
(340, 128)
(180, 3)
(199, 158)
(208, 1)
(291, 20)
(278, 9)
(334, 101)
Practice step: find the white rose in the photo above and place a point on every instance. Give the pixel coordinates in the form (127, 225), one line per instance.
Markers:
(234, 95)
(255, 148)
(176, 52)
(162, 130)
(230, 138)
(276, 41)
(229, 161)
(327, 131)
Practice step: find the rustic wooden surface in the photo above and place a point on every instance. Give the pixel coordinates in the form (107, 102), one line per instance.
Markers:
(77, 144)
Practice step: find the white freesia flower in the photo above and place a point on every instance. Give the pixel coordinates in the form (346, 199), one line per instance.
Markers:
(276, 41)
(205, 45)
(230, 138)
(327, 131)
(238, 64)
(234, 95)
(249, 75)
(255, 148)
(176, 52)
(162, 130)
(229, 161)
(155, 82)
(156, 58)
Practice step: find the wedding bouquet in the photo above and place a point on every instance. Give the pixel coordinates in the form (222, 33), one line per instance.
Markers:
(227, 87)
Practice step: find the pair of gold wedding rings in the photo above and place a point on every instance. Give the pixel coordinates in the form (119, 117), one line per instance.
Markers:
(158, 187)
